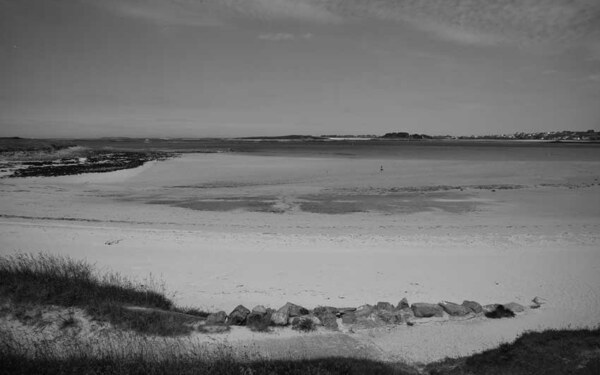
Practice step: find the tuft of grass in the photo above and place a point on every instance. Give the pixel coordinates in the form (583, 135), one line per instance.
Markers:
(305, 325)
(547, 352)
(44, 279)
(259, 323)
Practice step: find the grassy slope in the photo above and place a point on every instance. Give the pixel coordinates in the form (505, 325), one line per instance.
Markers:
(61, 281)
(41, 280)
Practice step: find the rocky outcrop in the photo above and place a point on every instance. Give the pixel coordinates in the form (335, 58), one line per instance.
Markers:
(427, 310)
(454, 309)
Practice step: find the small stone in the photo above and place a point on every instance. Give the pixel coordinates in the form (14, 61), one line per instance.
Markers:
(217, 318)
(538, 301)
(473, 306)
(427, 310)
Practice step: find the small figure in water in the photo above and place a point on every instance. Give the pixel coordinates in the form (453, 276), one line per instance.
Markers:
(381, 169)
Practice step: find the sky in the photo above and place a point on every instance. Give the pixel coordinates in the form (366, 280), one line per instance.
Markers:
(226, 68)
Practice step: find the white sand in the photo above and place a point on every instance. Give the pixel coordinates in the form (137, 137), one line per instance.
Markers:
(516, 244)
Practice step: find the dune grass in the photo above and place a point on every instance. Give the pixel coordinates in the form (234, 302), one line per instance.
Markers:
(55, 280)
(42, 280)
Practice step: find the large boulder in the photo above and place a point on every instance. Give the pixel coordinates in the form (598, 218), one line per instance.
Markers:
(325, 309)
(384, 306)
(497, 312)
(327, 315)
(364, 311)
(454, 309)
(293, 310)
(388, 317)
(514, 307)
(403, 304)
(344, 310)
(427, 310)
(280, 318)
(238, 316)
(349, 317)
(217, 318)
(473, 306)
(260, 309)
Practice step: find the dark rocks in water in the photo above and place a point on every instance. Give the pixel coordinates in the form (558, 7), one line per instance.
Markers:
(499, 312)
(427, 310)
(238, 316)
(473, 306)
(217, 318)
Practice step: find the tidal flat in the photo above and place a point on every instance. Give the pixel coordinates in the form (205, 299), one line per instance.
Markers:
(235, 222)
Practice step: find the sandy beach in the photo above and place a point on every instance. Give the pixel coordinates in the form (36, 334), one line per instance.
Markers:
(232, 228)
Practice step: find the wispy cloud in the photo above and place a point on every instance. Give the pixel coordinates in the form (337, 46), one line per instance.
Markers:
(473, 22)
(277, 37)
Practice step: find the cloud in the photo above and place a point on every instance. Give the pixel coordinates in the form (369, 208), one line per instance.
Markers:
(218, 12)
(277, 37)
(472, 22)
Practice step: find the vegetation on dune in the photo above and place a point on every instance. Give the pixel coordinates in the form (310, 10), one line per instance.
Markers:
(548, 352)
(45, 280)
(54, 280)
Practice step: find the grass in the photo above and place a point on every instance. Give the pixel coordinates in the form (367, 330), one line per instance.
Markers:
(54, 280)
(259, 323)
(548, 352)
(43, 280)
